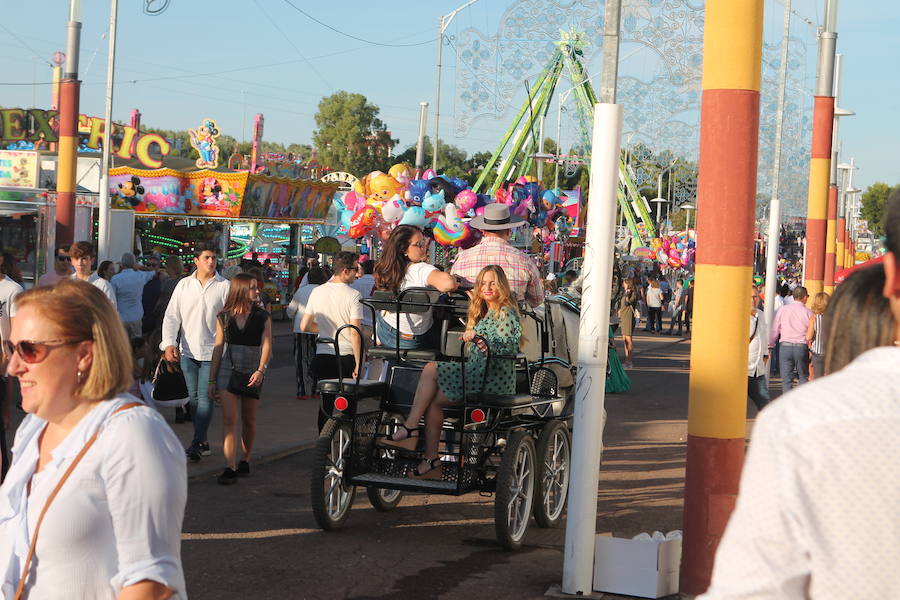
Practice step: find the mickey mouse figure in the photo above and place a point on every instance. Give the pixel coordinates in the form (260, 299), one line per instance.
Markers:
(131, 190)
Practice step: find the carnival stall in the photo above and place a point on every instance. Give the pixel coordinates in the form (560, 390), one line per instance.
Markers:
(239, 212)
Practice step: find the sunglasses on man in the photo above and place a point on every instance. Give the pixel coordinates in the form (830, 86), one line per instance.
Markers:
(63, 258)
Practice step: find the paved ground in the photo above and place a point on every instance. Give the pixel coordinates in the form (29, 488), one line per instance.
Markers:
(258, 539)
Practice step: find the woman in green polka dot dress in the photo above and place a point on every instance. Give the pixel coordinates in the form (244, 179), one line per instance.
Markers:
(494, 316)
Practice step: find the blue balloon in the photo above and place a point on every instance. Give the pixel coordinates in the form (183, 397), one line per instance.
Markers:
(414, 216)
(417, 190)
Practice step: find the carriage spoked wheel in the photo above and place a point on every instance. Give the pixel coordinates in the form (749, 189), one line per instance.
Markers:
(386, 500)
(554, 465)
(515, 490)
(331, 494)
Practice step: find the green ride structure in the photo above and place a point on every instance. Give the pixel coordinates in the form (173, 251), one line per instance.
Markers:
(514, 156)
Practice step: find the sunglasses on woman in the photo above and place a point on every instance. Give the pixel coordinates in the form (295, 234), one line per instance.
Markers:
(32, 351)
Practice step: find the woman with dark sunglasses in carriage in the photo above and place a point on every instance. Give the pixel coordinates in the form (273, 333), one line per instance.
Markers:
(404, 265)
(111, 527)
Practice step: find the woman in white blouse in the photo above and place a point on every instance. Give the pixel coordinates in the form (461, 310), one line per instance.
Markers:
(113, 529)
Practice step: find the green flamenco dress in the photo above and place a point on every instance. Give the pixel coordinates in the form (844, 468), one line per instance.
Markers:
(503, 331)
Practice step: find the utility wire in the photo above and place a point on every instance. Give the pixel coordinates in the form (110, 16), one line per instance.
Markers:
(29, 48)
(308, 62)
(353, 37)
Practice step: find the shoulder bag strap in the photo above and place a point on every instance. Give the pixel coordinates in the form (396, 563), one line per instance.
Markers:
(87, 446)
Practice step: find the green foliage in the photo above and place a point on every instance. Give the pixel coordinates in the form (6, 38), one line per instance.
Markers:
(350, 136)
(874, 200)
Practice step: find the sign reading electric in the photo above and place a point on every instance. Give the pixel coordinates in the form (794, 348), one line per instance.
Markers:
(35, 125)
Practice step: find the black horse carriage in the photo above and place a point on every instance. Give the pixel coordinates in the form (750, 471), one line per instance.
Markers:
(517, 447)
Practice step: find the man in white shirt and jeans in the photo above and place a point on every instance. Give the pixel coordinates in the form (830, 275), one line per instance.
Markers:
(817, 513)
(191, 316)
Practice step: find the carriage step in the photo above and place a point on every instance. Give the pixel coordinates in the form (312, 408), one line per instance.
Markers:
(405, 483)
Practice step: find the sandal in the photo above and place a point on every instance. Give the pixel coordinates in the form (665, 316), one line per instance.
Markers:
(408, 442)
(433, 471)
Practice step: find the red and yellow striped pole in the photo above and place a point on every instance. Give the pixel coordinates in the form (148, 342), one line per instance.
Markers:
(726, 200)
(68, 161)
(69, 88)
(840, 253)
(820, 165)
(830, 240)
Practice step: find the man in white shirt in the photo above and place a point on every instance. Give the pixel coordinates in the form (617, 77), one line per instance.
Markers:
(190, 322)
(817, 513)
(129, 286)
(9, 289)
(305, 343)
(364, 284)
(62, 267)
(331, 306)
(82, 255)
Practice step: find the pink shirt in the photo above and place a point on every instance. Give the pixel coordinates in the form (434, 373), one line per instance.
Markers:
(523, 275)
(790, 324)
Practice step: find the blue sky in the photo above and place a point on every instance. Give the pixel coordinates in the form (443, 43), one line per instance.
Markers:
(228, 60)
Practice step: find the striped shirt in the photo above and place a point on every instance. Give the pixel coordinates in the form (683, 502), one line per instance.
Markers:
(523, 275)
(818, 343)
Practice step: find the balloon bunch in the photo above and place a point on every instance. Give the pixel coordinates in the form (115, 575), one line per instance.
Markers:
(381, 201)
(676, 250)
(528, 200)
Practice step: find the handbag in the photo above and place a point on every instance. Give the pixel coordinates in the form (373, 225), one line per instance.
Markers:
(20, 589)
(239, 382)
(169, 386)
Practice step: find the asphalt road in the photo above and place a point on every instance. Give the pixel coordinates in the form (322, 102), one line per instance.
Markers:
(258, 539)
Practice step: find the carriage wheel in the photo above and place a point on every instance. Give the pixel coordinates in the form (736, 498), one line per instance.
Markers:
(331, 495)
(515, 490)
(385, 500)
(554, 454)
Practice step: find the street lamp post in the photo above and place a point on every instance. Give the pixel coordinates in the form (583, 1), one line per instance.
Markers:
(443, 24)
(104, 208)
(688, 207)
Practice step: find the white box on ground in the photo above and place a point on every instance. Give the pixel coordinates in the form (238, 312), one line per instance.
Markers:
(645, 568)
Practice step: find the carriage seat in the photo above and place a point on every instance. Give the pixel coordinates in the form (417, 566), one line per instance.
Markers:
(424, 354)
(366, 388)
(501, 401)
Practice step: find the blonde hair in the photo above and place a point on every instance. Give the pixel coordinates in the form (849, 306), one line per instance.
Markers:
(82, 312)
(478, 308)
(820, 303)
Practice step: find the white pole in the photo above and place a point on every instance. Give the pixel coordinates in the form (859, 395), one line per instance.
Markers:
(775, 201)
(590, 390)
(420, 144)
(437, 95)
(104, 208)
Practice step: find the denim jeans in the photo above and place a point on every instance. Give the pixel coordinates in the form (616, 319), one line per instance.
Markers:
(196, 376)
(792, 357)
(387, 336)
(654, 318)
(758, 391)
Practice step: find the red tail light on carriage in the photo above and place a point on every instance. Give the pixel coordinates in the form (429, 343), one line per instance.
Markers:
(477, 416)
(341, 404)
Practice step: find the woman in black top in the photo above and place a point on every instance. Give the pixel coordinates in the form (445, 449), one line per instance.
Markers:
(243, 346)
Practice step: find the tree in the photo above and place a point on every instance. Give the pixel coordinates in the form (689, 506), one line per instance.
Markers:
(874, 201)
(452, 160)
(350, 136)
